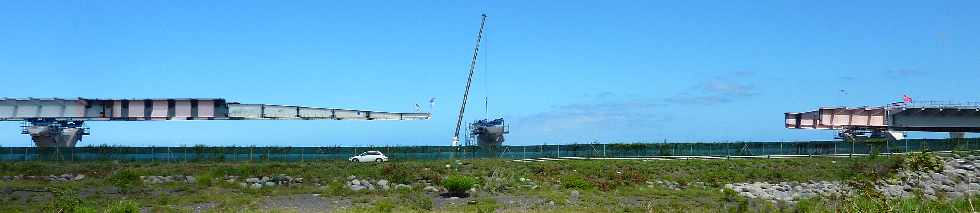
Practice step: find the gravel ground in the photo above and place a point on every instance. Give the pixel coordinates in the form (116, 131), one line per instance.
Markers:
(304, 203)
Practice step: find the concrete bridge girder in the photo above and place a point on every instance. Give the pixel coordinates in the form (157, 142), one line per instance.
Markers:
(58, 122)
(888, 122)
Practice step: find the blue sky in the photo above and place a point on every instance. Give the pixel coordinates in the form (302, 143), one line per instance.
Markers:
(558, 71)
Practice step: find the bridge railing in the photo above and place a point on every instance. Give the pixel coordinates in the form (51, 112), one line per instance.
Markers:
(944, 104)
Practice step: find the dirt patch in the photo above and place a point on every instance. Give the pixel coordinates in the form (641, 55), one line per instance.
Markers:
(18, 195)
(201, 207)
(519, 202)
(442, 202)
(304, 203)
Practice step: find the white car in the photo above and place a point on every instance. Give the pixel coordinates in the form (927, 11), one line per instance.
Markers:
(369, 156)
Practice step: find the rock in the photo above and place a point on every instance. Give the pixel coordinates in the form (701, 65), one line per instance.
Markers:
(367, 185)
(256, 186)
(430, 189)
(252, 180)
(937, 176)
(78, 177)
(190, 179)
(573, 196)
(270, 184)
(356, 187)
(355, 182)
(383, 184)
(402, 186)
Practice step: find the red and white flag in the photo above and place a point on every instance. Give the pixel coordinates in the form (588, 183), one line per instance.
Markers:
(906, 99)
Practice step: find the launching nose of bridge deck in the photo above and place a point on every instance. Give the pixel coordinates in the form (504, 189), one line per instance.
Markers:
(59, 122)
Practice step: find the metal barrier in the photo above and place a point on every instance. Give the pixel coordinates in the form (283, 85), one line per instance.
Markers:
(253, 153)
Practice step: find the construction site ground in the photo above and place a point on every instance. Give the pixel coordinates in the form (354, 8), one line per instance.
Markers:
(567, 185)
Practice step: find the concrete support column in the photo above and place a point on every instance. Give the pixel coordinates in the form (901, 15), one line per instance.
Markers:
(957, 135)
(55, 133)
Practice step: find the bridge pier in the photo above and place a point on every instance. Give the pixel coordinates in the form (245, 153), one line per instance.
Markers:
(55, 133)
(957, 135)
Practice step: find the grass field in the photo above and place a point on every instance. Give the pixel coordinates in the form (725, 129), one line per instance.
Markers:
(502, 186)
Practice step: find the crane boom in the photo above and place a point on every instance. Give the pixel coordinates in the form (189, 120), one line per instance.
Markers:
(469, 80)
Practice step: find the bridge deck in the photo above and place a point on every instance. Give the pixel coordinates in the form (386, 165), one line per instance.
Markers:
(928, 118)
(178, 109)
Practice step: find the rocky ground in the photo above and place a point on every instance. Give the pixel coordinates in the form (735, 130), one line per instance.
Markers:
(568, 186)
(57, 178)
(958, 177)
(265, 181)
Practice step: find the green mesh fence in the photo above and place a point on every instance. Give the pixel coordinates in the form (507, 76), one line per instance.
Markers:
(253, 153)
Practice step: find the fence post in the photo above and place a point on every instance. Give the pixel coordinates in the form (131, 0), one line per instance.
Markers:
(603, 150)
(764, 151)
(728, 150)
(558, 147)
(781, 148)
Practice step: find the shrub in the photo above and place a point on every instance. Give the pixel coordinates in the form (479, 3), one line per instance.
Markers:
(458, 184)
(923, 161)
(205, 180)
(730, 195)
(384, 205)
(338, 189)
(418, 201)
(124, 206)
(575, 182)
(431, 175)
(65, 200)
(397, 174)
(125, 179)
